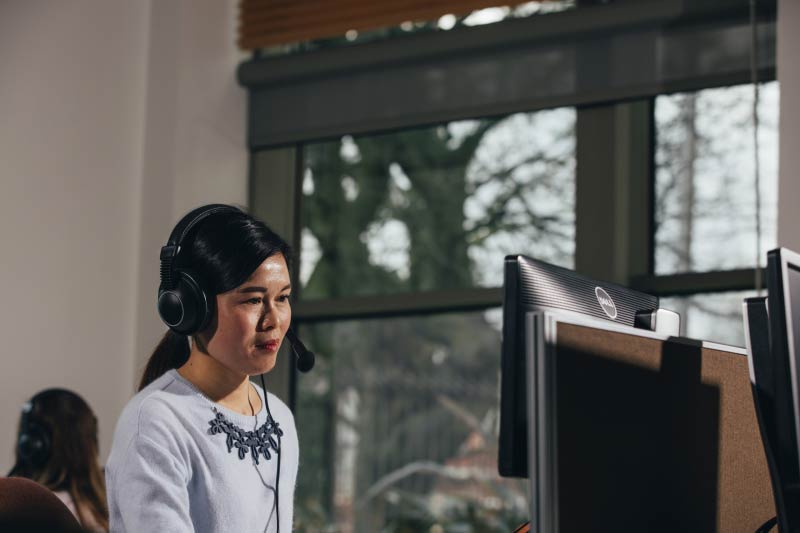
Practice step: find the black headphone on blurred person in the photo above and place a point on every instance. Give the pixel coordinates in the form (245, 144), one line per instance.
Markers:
(183, 304)
(33, 442)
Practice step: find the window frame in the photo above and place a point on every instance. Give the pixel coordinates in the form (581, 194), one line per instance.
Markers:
(614, 175)
(615, 135)
(694, 282)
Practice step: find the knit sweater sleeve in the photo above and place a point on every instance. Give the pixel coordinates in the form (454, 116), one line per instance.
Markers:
(150, 488)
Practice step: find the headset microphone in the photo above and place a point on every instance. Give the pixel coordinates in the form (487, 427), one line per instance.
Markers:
(305, 357)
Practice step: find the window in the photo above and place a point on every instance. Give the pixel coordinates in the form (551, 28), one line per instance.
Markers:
(705, 209)
(705, 185)
(716, 316)
(408, 406)
(399, 231)
(408, 411)
(437, 208)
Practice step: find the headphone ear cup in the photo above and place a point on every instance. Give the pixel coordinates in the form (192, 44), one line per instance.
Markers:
(33, 444)
(185, 308)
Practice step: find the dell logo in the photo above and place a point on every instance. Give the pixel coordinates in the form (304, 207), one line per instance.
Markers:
(606, 302)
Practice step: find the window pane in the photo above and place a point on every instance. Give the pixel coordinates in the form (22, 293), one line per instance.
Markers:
(713, 317)
(398, 427)
(437, 207)
(705, 184)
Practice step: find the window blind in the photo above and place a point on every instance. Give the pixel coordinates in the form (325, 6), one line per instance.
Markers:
(264, 23)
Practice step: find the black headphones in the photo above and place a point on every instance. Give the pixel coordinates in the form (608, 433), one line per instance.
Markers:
(183, 305)
(33, 442)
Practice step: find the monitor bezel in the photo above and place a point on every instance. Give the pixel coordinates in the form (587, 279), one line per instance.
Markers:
(761, 365)
(788, 259)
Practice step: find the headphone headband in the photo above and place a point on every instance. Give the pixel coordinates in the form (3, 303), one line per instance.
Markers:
(170, 251)
(194, 217)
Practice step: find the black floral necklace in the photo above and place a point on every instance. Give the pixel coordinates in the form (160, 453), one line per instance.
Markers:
(257, 443)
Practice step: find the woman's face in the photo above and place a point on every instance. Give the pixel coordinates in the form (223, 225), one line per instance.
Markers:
(252, 320)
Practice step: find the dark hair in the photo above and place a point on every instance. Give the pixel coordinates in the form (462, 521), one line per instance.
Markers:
(72, 462)
(223, 251)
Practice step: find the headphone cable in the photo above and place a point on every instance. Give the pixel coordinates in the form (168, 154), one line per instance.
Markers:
(278, 472)
(757, 171)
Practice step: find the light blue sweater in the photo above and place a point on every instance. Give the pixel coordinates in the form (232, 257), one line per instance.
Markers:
(166, 472)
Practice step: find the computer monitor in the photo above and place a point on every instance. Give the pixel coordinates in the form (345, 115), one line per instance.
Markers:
(783, 304)
(763, 375)
(531, 284)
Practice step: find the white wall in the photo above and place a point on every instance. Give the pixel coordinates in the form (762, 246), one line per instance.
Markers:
(789, 129)
(72, 107)
(195, 150)
(115, 118)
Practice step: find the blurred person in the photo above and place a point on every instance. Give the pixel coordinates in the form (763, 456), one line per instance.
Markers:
(200, 447)
(57, 447)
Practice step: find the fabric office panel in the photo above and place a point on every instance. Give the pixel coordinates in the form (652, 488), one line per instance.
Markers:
(655, 435)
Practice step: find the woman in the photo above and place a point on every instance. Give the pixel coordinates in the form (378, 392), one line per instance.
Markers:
(200, 447)
(57, 447)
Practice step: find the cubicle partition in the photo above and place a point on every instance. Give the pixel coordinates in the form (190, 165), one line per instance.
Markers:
(634, 431)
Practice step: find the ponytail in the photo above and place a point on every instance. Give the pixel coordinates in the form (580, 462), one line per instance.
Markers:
(171, 352)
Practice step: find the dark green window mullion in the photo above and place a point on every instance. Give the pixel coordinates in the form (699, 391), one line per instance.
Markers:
(638, 144)
(296, 240)
(271, 191)
(298, 320)
(689, 283)
(614, 191)
(403, 304)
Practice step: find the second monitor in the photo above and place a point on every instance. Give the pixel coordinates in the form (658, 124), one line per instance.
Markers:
(529, 285)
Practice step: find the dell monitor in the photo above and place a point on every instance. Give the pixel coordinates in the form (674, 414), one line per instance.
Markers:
(531, 285)
(783, 304)
(777, 381)
(764, 373)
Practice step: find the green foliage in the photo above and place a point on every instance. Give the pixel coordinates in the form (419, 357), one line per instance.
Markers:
(397, 409)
